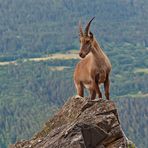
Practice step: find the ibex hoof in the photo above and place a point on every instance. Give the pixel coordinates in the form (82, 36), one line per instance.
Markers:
(77, 97)
(96, 100)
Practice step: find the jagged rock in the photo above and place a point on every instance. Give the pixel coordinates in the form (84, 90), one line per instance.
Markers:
(81, 123)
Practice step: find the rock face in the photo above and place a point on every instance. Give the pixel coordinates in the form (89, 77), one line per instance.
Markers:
(81, 123)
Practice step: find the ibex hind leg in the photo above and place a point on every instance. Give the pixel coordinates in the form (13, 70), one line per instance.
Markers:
(97, 90)
(107, 88)
(92, 94)
(99, 93)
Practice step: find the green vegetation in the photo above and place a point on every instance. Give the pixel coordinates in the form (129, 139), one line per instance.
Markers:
(30, 28)
(31, 90)
(133, 114)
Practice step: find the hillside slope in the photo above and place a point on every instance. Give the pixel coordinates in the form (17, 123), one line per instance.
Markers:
(34, 28)
(31, 27)
(32, 87)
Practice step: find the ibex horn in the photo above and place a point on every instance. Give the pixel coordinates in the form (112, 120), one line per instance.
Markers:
(88, 26)
(80, 29)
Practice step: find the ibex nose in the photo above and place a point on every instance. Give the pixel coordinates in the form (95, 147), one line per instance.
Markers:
(80, 54)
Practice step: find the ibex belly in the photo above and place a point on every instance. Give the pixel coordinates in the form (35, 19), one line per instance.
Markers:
(88, 85)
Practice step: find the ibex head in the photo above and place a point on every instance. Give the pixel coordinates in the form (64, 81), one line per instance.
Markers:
(86, 39)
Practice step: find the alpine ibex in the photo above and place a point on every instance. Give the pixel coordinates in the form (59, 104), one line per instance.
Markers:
(93, 68)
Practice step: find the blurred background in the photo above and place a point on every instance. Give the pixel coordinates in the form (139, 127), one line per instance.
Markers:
(38, 52)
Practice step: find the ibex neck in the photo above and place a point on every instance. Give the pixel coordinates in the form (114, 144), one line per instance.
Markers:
(96, 44)
(96, 51)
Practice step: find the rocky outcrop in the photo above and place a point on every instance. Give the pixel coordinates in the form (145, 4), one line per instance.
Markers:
(81, 123)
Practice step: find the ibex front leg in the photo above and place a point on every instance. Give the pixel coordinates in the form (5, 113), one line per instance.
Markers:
(79, 88)
(107, 87)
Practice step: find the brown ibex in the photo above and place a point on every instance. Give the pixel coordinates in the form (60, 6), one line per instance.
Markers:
(93, 68)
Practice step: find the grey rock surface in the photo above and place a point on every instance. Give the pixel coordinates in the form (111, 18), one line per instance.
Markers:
(81, 123)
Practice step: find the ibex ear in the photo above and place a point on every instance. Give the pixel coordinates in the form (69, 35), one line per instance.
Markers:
(91, 35)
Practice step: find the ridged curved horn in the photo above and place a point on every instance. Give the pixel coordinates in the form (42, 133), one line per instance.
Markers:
(88, 26)
(80, 29)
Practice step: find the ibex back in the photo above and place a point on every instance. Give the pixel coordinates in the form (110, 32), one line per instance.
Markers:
(93, 68)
